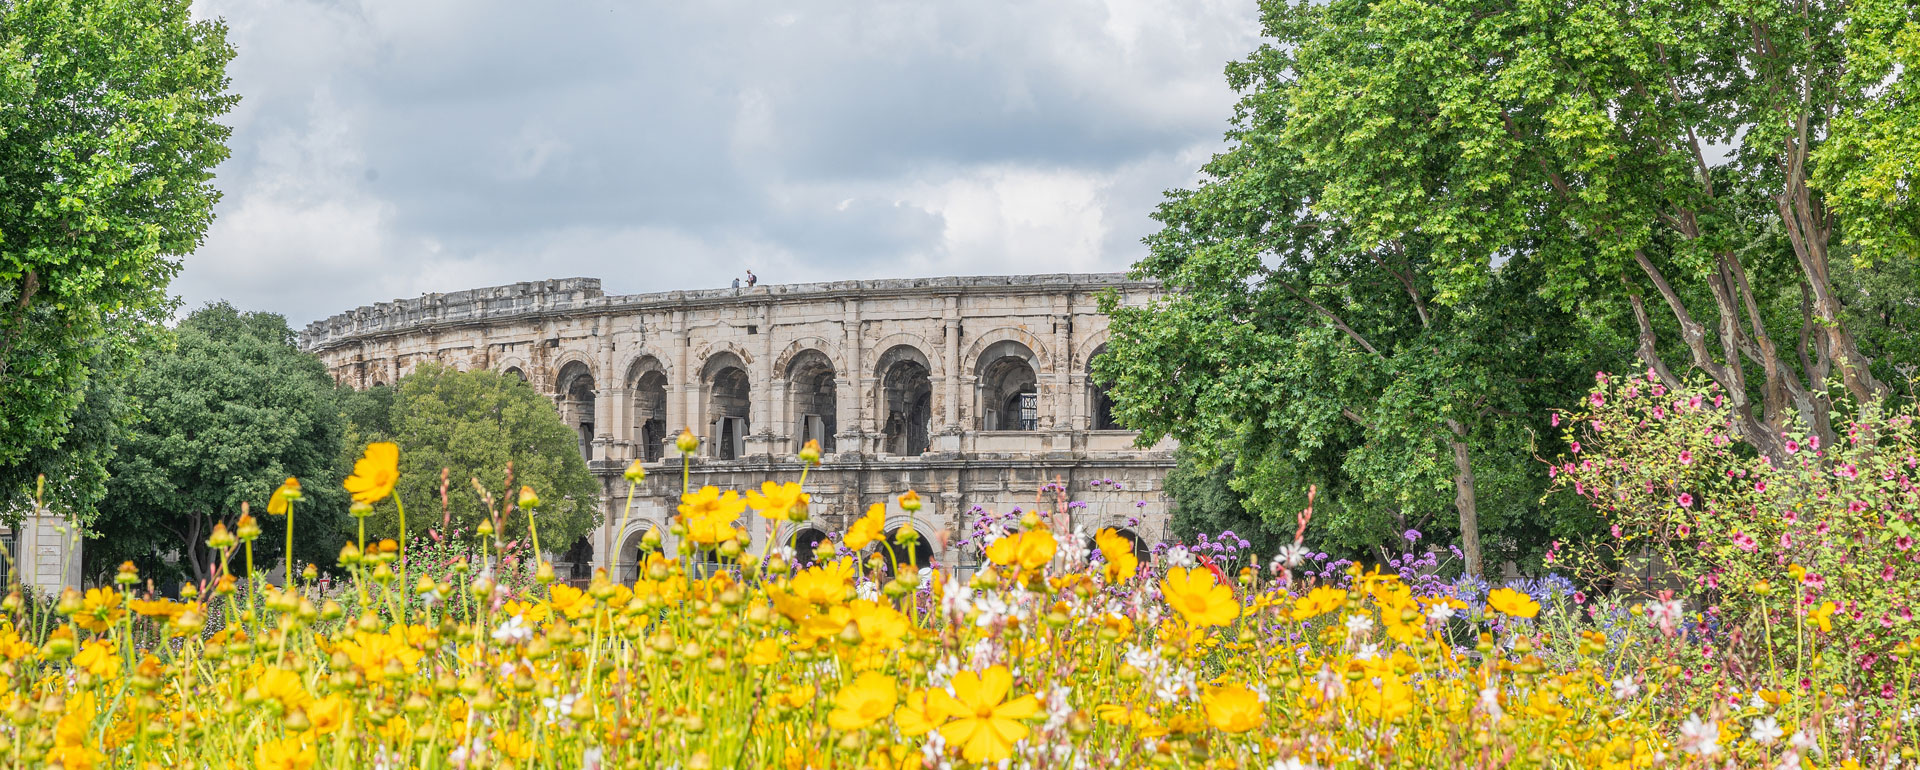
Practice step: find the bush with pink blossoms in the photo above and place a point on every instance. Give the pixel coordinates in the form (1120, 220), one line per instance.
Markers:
(1816, 544)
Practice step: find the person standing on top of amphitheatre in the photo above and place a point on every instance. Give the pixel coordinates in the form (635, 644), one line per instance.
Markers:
(736, 284)
(751, 279)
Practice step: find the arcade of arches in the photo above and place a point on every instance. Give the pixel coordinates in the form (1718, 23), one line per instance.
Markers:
(974, 392)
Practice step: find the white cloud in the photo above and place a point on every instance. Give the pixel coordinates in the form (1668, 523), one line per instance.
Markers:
(387, 148)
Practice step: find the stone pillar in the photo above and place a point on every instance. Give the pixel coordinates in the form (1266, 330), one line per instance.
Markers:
(761, 434)
(44, 543)
(682, 412)
(950, 428)
(854, 410)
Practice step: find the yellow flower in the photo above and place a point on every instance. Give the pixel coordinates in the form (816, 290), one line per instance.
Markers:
(327, 714)
(796, 698)
(1233, 708)
(1118, 552)
(1319, 602)
(98, 657)
(1823, 615)
(920, 713)
(100, 610)
(284, 754)
(513, 744)
(1031, 549)
(869, 698)
(881, 626)
(1198, 597)
(765, 652)
(371, 652)
(985, 724)
(569, 601)
(1511, 602)
(284, 686)
(375, 473)
(868, 529)
(282, 499)
(710, 515)
(774, 501)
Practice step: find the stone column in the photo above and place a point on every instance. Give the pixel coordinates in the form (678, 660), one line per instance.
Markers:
(42, 549)
(761, 404)
(682, 412)
(950, 428)
(853, 411)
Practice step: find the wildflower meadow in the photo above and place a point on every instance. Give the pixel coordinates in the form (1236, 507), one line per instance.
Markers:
(1743, 613)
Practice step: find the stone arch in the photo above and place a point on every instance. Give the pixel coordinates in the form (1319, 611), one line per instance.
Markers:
(1090, 346)
(903, 400)
(802, 540)
(708, 352)
(1042, 358)
(646, 384)
(1099, 403)
(570, 358)
(784, 362)
(514, 367)
(626, 555)
(919, 344)
(1007, 386)
(575, 394)
(726, 386)
(813, 397)
(640, 357)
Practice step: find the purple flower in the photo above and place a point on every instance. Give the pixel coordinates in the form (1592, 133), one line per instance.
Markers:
(1412, 535)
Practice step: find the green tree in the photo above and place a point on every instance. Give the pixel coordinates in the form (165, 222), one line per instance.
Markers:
(227, 414)
(473, 425)
(1205, 503)
(108, 142)
(1699, 163)
(1315, 355)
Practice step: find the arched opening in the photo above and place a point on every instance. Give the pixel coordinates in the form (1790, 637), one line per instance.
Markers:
(647, 386)
(516, 373)
(627, 567)
(811, 387)
(916, 556)
(1009, 396)
(577, 563)
(729, 394)
(575, 395)
(803, 544)
(906, 401)
(1099, 404)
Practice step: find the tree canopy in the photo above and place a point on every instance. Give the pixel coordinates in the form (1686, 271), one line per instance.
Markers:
(108, 140)
(473, 424)
(227, 414)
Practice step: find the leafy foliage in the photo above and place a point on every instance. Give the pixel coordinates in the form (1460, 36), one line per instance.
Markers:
(234, 408)
(108, 142)
(474, 424)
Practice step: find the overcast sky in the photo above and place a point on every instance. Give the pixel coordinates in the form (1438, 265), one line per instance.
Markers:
(385, 148)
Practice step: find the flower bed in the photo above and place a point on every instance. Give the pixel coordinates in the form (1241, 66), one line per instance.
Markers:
(1055, 654)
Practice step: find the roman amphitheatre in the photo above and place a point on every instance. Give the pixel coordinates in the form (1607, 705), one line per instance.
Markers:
(973, 391)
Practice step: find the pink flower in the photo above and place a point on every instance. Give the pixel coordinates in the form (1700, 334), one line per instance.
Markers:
(1633, 392)
(1554, 419)
(1903, 542)
(1685, 500)
(1792, 446)
(1813, 442)
(1597, 400)
(1760, 486)
(1847, 471)
(1579, 597)
(1744, 542)
(1659, 413)
(1686, 457)
(1651, 377)
(1576, 447)
(1694, 402)
(1856, 506)
(1617, 532)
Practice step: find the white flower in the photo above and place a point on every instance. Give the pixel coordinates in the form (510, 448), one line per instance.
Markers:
(1801, 741)
(1764, 731)
(1332, 685)
(1699, 737)
(1058, 706)
(1293, 763)
(591, 759)
(1441, 612)
(514, 631)
(558, 709)
(1490, 703)
(1359, 625)
(1291, 555)
(1626, 688)
(1141, 658)
(1789, 760)
(1179, 556)
(867, 590)
(1367, 652)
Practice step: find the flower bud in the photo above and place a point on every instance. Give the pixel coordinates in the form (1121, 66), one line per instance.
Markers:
(650, 542)
(910, 501)
(544, 574)
(528, 499)
(310, 574)
(246, 528)
(221, 539)
(350, 554)
(128, 574)
(906, 535)
(636, 472)
(485, 529)
(687, 442)
(810, 452)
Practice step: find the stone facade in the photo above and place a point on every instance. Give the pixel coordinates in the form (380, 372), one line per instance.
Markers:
(972, 391)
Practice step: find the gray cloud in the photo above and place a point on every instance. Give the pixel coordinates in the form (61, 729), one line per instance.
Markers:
(385, 148)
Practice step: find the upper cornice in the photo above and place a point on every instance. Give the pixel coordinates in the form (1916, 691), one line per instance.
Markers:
(561, 297)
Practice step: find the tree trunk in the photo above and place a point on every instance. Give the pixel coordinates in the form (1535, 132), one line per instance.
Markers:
(1464, 500)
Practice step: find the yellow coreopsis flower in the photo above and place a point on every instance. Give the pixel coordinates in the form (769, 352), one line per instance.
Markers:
(1319, 601)
(1198, 597)
(513, 744)
(327, 714)
(283, 497)
(100, 610)
(1118, 552)
(710, 515)
(375, 473)
(766, 652)
(881, 626)
(1823, 615)
(869, 528)
(1233, 708)
(100, 658)
(985, 724)
(774, 501)
(920, 713)
(1511, 602)
(284, 686)
(866, 700)
(569, 601)
(1037, 547)
(289, 753)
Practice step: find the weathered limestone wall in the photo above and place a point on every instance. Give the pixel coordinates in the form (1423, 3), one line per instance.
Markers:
(972, 391)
